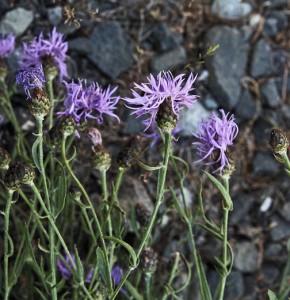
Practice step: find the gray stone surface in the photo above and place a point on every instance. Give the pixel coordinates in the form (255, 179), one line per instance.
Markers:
(280, 229)
(246, 107)
(168, 60)
(82, 45)
(263, 61)
(275, 22)
(235, 286)
(230, 9)
(265, 165)
(246, 257)
(270, 93)
(242, 205)
(54, 15)
(191, 117)
(228, 65)
(285, 212)
(111, 49)
(16, 21)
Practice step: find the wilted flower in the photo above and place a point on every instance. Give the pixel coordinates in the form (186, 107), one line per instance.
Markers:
(41, 50)
(157, 90)
(7, 44)
(215, 136)
(83, 102)
(30, 78)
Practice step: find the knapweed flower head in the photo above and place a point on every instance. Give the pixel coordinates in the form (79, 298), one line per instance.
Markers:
(116, 275)
(165, 88)
(215, 136)
(41, 50)
(30, 78)
(89, 102)
(7, 44)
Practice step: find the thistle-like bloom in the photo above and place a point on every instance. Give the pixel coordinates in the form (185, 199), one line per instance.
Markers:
(7, 44)
(40, 50)
(83, 102)
(215, 136)
(30, 78)
(157, 90)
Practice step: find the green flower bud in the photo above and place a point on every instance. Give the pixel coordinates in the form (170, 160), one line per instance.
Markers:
(100, 158)
(49, 68)
(166, 119)
(39, 105)
(17, 175)
(278, 141)
(68, 125)
(4, 159)
(75, 192)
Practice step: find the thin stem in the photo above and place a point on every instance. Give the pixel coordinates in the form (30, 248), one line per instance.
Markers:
(286, 160)
(51, 97)
(159, 197)
(78, 183)
(119, 178)
(6, 245)
(147, 288)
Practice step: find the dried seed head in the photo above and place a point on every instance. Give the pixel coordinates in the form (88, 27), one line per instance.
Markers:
(129, 155)
(166, 119)
(17, 175)
(142, 214)
(278, 141)
(148, 261)
(4, 159)
(100, 158)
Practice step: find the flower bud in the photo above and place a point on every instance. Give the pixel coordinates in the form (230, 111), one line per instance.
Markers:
(39, 104)
(148, 261)
(4, 159)
(142, 214)
(278, 141)
(100, 158)
(68, 125)
(128, 156)
(49, 68)
(166, 119)
(75, 192)
(17, 175)
(55, 136)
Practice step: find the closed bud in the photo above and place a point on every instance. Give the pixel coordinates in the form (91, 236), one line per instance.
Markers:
(75, 192)
(68, 125)
(229, 169)
(166, 119)
(49, 68)
(278, 141)
(55, 136)
(148, 261)
(18, 175)
(142, 214)
(129, 155)
(100, 158)
(39, 104)
(4, 159)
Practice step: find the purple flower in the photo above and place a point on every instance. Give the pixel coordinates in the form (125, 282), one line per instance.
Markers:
(215, 136)
(89, 102)
(116, 275)
(66, 268)
(40, 48)
(30, 78)
(7, 45)
(157, 90)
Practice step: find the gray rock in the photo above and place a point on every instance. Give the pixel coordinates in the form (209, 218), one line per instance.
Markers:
(246, 107)
(16, 21)
(168, 60)
(263, 60)
(82, 45)
(242, 205)
(280, 229)
(210, 103)
(246, 257)
(269, 273)
(111, 49)
(234, 286)
(277, 3)
(265, 165)
(285, 212)
(275, 22)
(54, 15)
(191, 117)
(228, 65)
(274, 252)
(230, 9)
(132, 125)
(163, 39)
(270, 93)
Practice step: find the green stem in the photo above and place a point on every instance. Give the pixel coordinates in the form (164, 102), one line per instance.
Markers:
(286, 160)
(159, 197)
(119, 178)
(6, 245)
(78, 183)
(222, 284)
(52, 222)
(51, 97)
(147, 288)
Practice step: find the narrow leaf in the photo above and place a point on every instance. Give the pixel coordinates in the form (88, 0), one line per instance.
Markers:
(61, 191)
(35, 154)
(148, 168)
(11, 245)
(272, 295)
(205, 290)
(102, 268)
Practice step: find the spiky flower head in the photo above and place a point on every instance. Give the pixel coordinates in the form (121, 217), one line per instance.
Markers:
(89, 102)
(278, 141)
(100, 158)
(43, 51)
(215, 136)
(7, 44)
(165, 88)
(30, 78)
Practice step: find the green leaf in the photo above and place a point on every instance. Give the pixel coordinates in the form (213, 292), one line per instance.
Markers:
(126, 246)
(102, 267)
(205, 290)
(79, 266)
(221, 268)
(187, 282)
(42, 248)
(148, 168)
(223, 191)
(11, 245)
(61, 191)
(272, 295)
(35, 154)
